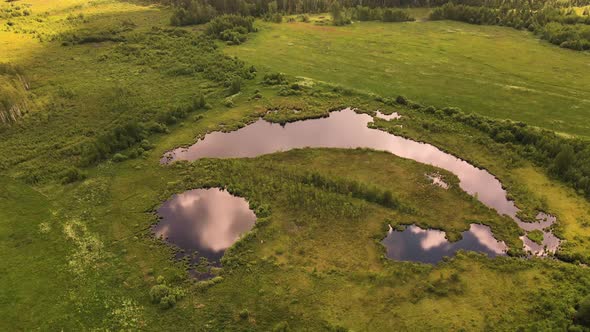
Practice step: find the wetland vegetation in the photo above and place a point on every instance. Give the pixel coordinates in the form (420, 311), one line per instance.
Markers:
(294, 165)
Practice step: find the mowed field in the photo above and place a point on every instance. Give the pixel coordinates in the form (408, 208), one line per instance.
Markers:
(496, 71)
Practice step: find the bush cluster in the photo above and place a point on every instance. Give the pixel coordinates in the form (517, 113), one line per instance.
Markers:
(192, 12)
(363, 13)
(567, 159)
(164, 295)
(231, 28)
(559, 26)
(354, 188)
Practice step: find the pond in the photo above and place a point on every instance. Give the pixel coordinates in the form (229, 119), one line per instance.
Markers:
(203, 223)
(430, 245)
(348, 129)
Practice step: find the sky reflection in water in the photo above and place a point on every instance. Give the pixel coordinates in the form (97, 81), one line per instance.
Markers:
(206, 221)
(347, 129)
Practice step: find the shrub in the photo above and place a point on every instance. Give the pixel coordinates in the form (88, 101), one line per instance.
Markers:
(582, 316)
(158, 292)
(199, 102)
(230, 28)
(281, 327)
(119, 157)
(72, 174)
(168, 302)
(244, 314)
(401, 100)
(274, 79)
(395, 15)
(339, 15)
(192, 12)
(275, 18)
(235, 85)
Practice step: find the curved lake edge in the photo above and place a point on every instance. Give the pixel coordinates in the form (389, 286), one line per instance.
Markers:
(395, 239)
(182, 251)
(170, 155)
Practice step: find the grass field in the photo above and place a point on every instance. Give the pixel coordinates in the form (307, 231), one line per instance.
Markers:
(499, 72)
(79, 256)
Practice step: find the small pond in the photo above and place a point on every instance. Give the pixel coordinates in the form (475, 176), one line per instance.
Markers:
(348, 129)
(203, 223)
(430, 245)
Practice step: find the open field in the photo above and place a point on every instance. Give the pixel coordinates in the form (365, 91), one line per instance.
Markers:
(494, 71)
(75, 237)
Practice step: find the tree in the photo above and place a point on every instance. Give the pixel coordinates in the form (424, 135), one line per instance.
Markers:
(582, 316)
(564, 159)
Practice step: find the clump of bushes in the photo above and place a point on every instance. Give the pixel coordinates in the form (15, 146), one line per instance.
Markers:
(582, 316)
(536, 236)
(71, 175)
(112, 34)
(290, 90)
(567, 159)
(340, 16)
(232, 29)
(560, 27)
(192, 12)
(235, 85)
(356, 189)
(275, 79)
(273, 17)
(164, 295)
(244, 314)
(362, 13)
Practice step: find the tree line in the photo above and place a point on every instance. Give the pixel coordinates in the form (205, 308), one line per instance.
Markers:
(567, 159)
(560, 26)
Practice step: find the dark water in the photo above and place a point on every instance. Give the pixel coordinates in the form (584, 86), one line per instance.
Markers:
(347, 129)
(430, 246)
(204, 222)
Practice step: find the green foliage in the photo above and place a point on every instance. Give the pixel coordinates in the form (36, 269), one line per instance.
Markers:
(281, 327)
(192, 12)
(235, 86)
(231, 28)
(582, 315)
(244, 314)
(119, 157)
(273, 17)
(567, 159)
(536, 236)
(115, 140)
(274, 79)
(353, 188)
(559, 27)
(396, 15)
(165, 296)
(72, 174)
(363, 13)
(340, 15)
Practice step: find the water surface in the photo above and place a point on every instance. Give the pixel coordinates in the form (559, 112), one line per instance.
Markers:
(430, 245)
(348, 129)
(204, 223)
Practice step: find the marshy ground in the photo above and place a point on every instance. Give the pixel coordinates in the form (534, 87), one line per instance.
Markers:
(108, 87)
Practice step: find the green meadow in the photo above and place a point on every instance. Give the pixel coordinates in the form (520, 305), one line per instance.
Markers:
(493, 71)
(106, 87)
